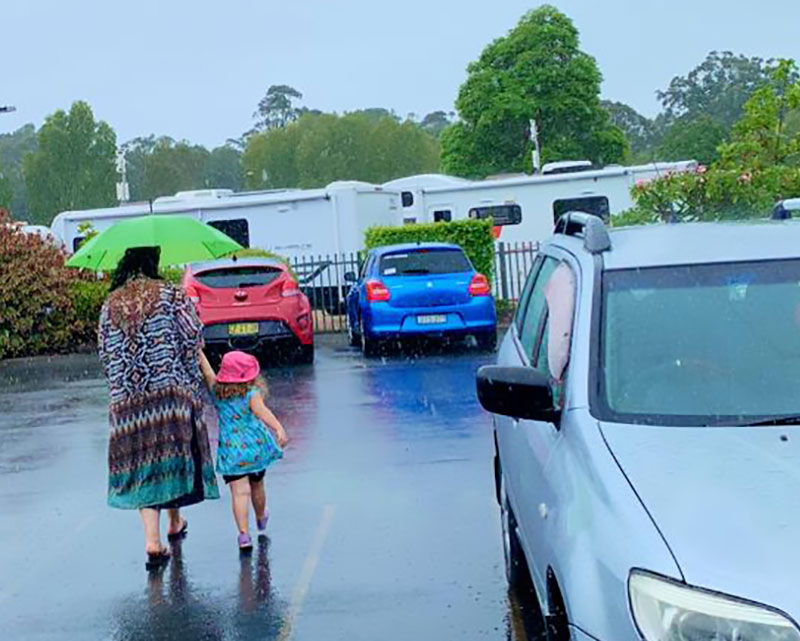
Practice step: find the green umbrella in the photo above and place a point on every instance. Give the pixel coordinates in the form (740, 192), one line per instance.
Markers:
(182, 240)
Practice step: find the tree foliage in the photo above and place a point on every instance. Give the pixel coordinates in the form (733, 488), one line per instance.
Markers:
(759, 166)
(13, 148)
(436, 122)
(536, 71)
(73, 166)
(641, 132)
(319, 149)
(277, 108)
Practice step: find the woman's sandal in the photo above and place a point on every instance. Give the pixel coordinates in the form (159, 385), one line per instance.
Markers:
(180, 534)
(157, 560)
(245, 543)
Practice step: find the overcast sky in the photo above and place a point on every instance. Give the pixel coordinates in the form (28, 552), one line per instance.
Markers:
(195, 69)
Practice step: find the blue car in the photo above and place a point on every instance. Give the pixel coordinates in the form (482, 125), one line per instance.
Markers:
(419, 290)
(647, 432)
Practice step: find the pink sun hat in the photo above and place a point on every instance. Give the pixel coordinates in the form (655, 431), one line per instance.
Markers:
(238, 367)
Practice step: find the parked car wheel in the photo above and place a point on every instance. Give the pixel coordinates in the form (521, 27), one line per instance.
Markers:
(487, 341)
(306, 354)
(515, 564)
(368, 345)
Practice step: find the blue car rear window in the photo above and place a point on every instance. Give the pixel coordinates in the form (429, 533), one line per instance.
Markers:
(425, 261)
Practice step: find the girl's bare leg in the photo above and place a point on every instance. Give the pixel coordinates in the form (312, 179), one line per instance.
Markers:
(240, 495)
(151, 519)
(175, 521)
(259, 495)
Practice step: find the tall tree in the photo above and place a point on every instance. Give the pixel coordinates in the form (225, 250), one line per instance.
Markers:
(640, 131)
(537, 71)
(6, 193)
(173, 166)
(73, 167)
(277, 108)
(436, 122)
(761, 138)
(718, 88)
(319, 149)
(13, 148)
(224, 168)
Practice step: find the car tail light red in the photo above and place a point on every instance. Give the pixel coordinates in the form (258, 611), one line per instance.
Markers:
(479, 286)
(290, 288)
(192, 293)
(377, 291)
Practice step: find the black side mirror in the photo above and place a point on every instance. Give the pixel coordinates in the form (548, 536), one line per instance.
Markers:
(350, 277)
(519, 392)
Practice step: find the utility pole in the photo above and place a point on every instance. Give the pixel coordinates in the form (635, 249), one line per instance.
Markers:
(123, 189)
(537, 161)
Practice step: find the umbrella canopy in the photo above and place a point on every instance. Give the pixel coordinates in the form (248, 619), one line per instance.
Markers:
(182, 240)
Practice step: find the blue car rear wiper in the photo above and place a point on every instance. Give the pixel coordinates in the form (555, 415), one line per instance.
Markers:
(416, 271)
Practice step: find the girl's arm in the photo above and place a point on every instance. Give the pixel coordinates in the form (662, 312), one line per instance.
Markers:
(208, 371)
(268, 418)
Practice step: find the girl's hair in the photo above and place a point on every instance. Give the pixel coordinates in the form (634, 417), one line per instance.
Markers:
(137, 261)
(224, 391)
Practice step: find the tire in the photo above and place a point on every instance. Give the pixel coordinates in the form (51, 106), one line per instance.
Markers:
(487, 341)
(306, 354)
(370, 346)
(516, 566)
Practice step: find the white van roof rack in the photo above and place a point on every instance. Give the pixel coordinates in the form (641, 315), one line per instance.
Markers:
(587, 226)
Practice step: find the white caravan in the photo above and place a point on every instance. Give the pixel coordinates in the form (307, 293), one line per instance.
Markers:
(525, 208)
(297, 224)
(292, 223)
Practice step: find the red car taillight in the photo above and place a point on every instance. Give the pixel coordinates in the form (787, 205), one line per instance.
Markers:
(290, 288)
(479, 286)
(192, 293)
(377, 291)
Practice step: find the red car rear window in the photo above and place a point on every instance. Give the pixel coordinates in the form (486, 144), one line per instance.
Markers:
(238, 277)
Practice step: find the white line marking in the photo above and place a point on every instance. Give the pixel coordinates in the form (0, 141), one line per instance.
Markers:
(307, 573)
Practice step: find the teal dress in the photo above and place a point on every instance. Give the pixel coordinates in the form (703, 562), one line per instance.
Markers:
(246, 446)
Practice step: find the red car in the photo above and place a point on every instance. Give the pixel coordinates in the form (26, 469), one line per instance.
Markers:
(251, 304)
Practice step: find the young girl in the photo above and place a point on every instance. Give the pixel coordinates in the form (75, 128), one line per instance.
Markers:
(246, 448)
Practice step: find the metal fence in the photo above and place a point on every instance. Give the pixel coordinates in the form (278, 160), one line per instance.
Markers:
(323, 280)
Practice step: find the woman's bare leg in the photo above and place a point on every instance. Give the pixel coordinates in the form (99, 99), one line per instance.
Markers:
(259, 495)
(240, 495)
(151, 519)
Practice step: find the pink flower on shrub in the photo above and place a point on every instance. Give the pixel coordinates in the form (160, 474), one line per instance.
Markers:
(701, 169)
(640, 182)
(746, 177)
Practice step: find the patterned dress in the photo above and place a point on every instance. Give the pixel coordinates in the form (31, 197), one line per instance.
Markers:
(158, 454)
(245, 445)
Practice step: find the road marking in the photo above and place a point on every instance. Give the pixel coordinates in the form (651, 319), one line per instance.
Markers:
(306, 574)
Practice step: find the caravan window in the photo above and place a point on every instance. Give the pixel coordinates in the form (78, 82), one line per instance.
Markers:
(238, 229)
(500, 214)
(407, 198)
(442, 216)
(596, 205)
(76, 243)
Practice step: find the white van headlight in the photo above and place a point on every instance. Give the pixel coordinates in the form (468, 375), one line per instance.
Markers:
(668, 611)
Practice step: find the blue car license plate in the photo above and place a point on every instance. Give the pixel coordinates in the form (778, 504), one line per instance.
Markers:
(432, 319)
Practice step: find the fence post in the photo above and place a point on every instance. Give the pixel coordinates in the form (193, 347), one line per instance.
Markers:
(501, 253)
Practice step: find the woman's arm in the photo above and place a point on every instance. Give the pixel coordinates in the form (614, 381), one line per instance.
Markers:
(268, 418)
(206, 369)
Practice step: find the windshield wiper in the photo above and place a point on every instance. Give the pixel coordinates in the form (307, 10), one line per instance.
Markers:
(789, 419)
(416, 271)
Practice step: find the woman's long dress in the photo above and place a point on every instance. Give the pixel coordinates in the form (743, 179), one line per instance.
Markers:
(158, 455)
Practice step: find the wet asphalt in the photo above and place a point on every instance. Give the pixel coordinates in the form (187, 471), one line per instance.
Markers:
(383, 519)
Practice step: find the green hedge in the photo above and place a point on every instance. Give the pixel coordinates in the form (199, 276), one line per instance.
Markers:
(473, 236)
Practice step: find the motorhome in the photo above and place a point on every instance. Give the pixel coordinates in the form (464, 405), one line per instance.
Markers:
(293, 223)
(524, 208)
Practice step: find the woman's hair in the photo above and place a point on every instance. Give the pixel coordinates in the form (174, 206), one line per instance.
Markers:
(137, 261)
(224, 391)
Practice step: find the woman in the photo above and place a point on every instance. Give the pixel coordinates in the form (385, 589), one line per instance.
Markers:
(158, 457)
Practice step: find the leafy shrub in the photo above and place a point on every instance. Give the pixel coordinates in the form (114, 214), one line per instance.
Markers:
(37, 312)
(87, 298)
(473, 236)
